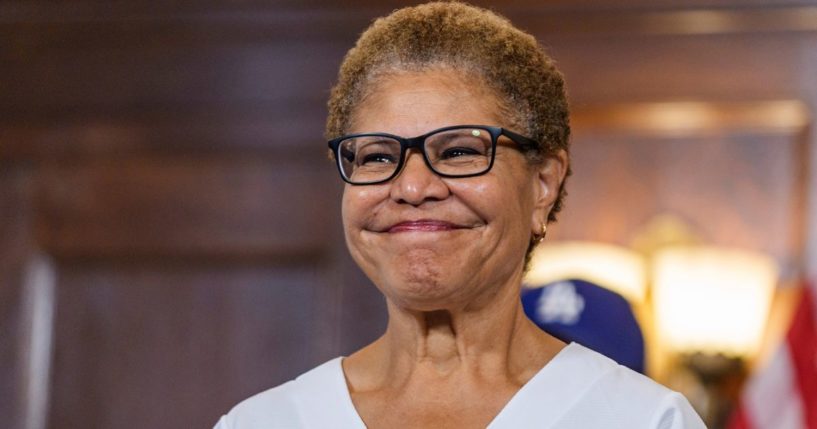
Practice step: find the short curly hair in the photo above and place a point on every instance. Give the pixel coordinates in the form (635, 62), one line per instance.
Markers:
(468, 39)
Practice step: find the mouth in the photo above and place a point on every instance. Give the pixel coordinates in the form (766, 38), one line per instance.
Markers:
(423, 225)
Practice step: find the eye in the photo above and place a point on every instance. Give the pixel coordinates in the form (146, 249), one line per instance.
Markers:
(460, 147)
(376, 158)
(455, 152)
(377, 152)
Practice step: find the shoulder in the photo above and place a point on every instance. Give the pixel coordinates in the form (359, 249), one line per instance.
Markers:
(617, 380)
(626, 398)
(278, 407)
(271, 408)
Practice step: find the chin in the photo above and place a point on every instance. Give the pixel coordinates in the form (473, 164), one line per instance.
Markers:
(422, 300)
(422, 279)
(423, 287)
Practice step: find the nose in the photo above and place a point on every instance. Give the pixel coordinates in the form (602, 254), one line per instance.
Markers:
(416, 183)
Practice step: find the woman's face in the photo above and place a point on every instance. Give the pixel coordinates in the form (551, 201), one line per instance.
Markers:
(430, 242)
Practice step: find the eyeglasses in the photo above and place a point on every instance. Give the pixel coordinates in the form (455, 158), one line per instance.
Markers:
(456, 151)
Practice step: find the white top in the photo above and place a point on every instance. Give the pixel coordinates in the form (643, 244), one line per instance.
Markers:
(578, 388)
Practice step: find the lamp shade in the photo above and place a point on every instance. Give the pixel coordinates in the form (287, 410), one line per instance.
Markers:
(712, 300)
(617, 268)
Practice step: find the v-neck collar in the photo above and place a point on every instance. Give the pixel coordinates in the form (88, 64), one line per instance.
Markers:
(324, 399)
(553, 391)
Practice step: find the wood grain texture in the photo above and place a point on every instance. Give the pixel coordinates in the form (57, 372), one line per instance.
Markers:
(735, 190)
(146, 346)
(735, 172)
(170, 156)
(184, 206)
(293, 131)
(173, 74)
(16, 245)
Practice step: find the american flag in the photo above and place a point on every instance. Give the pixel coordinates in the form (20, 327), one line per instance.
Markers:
(783, 395)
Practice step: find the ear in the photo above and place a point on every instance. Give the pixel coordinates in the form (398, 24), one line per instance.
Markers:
(548, 179)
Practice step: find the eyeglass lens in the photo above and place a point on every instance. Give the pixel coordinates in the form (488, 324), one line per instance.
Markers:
(456, 152)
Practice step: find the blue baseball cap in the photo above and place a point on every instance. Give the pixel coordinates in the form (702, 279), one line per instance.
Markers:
(595, 317)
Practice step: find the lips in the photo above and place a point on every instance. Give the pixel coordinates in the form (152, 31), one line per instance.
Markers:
(423, 225)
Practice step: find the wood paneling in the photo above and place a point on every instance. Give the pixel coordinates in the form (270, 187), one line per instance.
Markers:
(735, 172)
(291, 131)
(173, 346)
(713, 69)
(12, 238)
(194, 205)
(170, 158)
(172, 74)
(734, 190)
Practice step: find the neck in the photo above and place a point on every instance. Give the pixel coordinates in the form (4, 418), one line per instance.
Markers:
(446, 339)
(494, 340)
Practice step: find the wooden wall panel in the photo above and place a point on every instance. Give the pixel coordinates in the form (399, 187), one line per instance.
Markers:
(165, 346)
(175, 74)
(733, 190)
(15, 242)
(172, 162)
(217, 206)
(673, 68)
(293, 130)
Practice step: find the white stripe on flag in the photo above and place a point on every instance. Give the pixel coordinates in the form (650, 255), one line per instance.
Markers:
(771, 398)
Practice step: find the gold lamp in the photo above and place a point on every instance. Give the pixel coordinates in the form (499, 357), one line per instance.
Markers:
(703, 309)
(712, 300)
(617, 268)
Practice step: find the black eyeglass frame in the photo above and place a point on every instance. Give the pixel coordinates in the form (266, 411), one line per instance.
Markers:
(524, 143)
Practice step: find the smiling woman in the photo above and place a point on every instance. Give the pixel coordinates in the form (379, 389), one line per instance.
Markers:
(450, 128)
(444, 224)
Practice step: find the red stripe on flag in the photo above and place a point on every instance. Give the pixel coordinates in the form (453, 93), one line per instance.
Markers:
(739, 420)
(802, 343)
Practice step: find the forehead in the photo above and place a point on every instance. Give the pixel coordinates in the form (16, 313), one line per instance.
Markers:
(413, 103)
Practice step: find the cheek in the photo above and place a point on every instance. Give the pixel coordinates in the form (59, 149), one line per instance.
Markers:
(353, 217)
(349, 211)
(346, 206)
(496, 198)
(358, 204)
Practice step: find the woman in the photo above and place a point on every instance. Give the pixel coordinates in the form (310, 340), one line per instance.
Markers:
(444, 224)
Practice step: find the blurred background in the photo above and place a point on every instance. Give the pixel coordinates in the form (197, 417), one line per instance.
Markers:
(170, 239)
